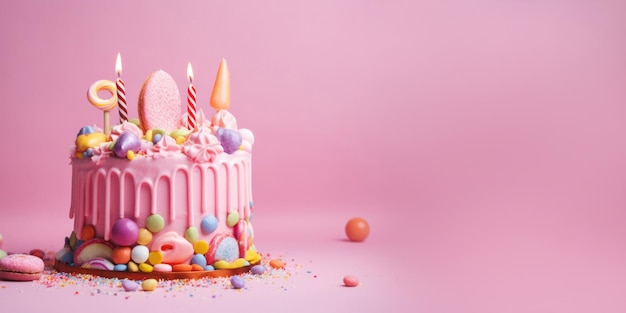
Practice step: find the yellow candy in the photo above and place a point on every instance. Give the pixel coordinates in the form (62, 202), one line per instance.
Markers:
(130, 154)
(184, 132)
(145, 236)
(149, 284)
(85, 141)
(146, 268)
(200, 247)
(252, 256)
(132, 267)
(148, 135)
(225, 265)
(155, 257)
(180, 140)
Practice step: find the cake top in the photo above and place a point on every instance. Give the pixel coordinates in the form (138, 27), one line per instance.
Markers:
(161, 130)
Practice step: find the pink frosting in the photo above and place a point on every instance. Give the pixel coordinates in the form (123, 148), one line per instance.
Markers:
(200, 120)
(225, 119)
(202, 146)
(166, 147)
(126, 126)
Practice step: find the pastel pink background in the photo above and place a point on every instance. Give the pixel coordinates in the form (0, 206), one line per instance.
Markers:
(483, 140)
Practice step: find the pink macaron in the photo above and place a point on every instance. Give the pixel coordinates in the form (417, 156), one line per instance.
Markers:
(21, 267)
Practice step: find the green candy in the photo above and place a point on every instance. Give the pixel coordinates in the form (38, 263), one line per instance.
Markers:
(155, 223)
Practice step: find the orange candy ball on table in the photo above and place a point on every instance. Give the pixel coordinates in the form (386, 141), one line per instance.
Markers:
(357, 229)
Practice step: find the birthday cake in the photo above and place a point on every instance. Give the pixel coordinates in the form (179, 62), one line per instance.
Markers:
(165, 193)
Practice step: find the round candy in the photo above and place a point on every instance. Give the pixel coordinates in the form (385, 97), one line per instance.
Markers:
(149, 284)
(146, 268)
(350, 281)
(124, 232)
(38, 253)
(127, 141)
(232, 219)
(208, 224)
(155, 257)
(88, 232)
(2, 254)
(199, 259)
(156, 138)
(140, 254)
(133, 267)
(201, 247)
(238, 282)
(120, 267)
(155, 223)
(357, 229)
(121, 255)
(191, 234)
(129, 285)
(145, 236)
(258, 269)
(229, 138)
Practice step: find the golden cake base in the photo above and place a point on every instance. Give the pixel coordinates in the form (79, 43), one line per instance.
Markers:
(156, 275)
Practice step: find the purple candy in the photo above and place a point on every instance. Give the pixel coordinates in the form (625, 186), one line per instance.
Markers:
(238, 282)
(124, 232)
(257, 269)
(125, 142)
(230, 139)
(129, 285)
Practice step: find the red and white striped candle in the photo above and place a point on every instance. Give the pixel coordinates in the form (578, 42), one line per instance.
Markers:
(191, 100)
(121, 91)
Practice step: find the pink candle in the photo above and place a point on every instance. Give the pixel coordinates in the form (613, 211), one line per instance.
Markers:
(121, 91)
(191, 100)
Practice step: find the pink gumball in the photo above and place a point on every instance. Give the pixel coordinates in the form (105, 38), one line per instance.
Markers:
(124, 232)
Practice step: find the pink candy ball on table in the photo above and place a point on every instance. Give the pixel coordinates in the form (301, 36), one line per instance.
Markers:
(350, 281)
(357, 229)
(124, 232)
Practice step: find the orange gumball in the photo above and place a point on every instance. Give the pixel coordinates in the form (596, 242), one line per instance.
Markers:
(121, 255)
(357, 229)
(88, 232)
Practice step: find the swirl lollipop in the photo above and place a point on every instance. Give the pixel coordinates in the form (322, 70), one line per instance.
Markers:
(105, 105)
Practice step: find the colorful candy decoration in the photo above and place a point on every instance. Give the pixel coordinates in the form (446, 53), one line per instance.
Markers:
(232, 219)
(357, 229)
(350, 281)
(126, 142)
(94, 248)
(237, 282)
(220, 97)
(224, 247)
(155, 223)
(174, 247)
(99, 264)
(159, 102)
(139, 254)
(208, 224)
(230, 139)
(130, 285)
(149, 284)
(105, 105)
(124, 232)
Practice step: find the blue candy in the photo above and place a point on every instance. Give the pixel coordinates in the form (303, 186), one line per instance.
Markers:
(208, 224)
(86, 130)
(156, 138)
(209, 268)
(199, 259)
(120, 267)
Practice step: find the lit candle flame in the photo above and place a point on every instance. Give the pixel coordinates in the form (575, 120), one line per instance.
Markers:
(118, 65)
(189, 72)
